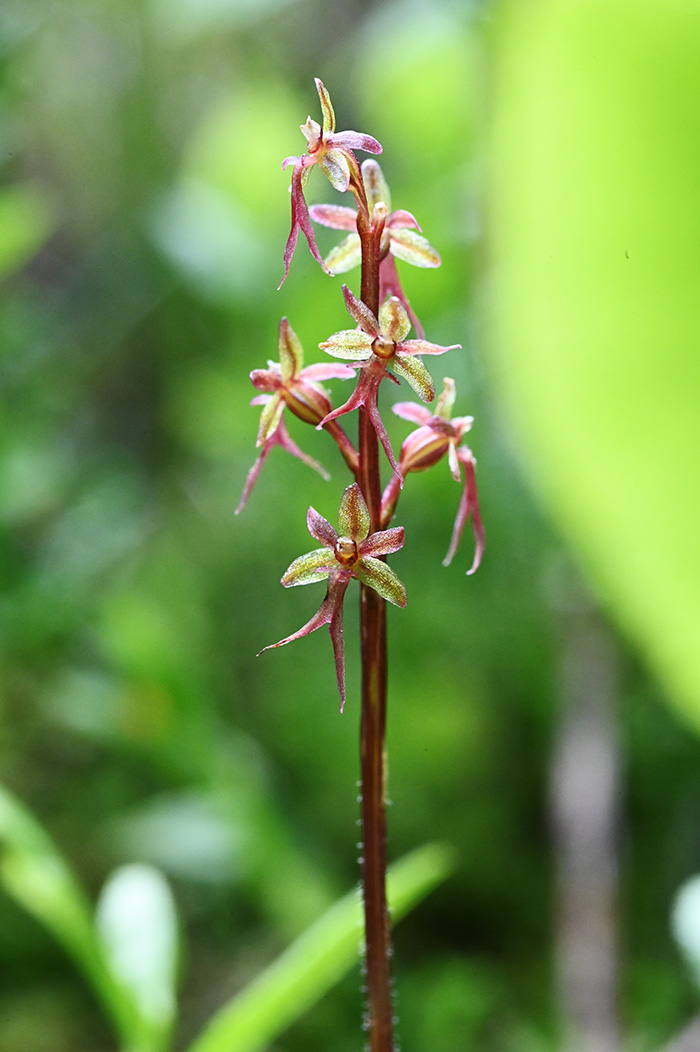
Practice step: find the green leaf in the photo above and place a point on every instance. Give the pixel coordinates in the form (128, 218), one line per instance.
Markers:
(137, 923)
(35, 874)
(253, 1019)
(595, 233)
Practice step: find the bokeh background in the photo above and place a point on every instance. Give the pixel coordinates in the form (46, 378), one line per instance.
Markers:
(543, 713)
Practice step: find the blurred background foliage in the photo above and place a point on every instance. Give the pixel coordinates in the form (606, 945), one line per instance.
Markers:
(143, 213)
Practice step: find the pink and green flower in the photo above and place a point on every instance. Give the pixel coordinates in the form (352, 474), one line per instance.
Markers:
(350, 551)
(378, 344)
(333, 152)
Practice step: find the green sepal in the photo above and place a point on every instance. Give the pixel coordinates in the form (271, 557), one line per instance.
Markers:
(353, 516)
(290, 351)
(382, 579)
(270, 418)
(336, 169)
(413, 248)
(375, 185)
(349, 344)
(413, 370)
(345, 256)
(314, 566)
(393, 320)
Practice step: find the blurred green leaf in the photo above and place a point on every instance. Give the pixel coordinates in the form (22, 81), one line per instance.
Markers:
(595, 241)
(26, 221)
(137, 922)
(36, 875)
(316, 961)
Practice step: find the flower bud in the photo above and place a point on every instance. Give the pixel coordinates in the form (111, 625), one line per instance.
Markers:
(426, 446)
(307, 401)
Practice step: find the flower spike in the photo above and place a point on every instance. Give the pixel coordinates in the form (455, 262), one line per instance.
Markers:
(333, 152)
(352, 552)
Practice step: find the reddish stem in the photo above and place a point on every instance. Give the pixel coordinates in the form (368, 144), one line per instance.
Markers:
(373, 642)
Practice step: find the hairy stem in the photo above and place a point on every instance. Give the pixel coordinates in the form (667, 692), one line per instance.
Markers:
(373, 643)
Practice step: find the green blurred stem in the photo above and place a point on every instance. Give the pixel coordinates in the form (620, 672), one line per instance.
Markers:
(373, 721)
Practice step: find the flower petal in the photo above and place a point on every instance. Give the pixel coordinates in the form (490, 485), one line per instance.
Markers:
(338, 217)
(283, 439)
(468, 505)
(335, 167)
(446, 399)
(280, 437)
(252, 476)
(345, 256)
(336, 591)
(326, 107)
(370, 404)
(375, 184)
(349, 343)
(291, 352)
(416, 414)
(361, 313)
(326, 371)
(311, 131)
(270, 418)
(394, 320)
(300, 219)
(321, 529)
(352, 140)
(384, 542)
(267, 379)
(353, 516)
(400, 219)
(330, 613)
(413, 370)
(413, 248)
(382, 579)
(453, 461)
(314, 566)
(411, 347)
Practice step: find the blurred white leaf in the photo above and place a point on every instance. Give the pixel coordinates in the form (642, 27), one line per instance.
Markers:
(137, 923)
(685, 924)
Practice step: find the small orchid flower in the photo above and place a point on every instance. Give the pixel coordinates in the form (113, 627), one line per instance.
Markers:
(399, 239)
(440, 433)
(333, 152)
(288, 385)
(350, 551)
(377, 344)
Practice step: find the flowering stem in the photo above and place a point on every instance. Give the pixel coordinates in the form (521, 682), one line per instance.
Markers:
(373, 720)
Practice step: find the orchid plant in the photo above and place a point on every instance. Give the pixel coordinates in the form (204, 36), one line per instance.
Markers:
(377, 349)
